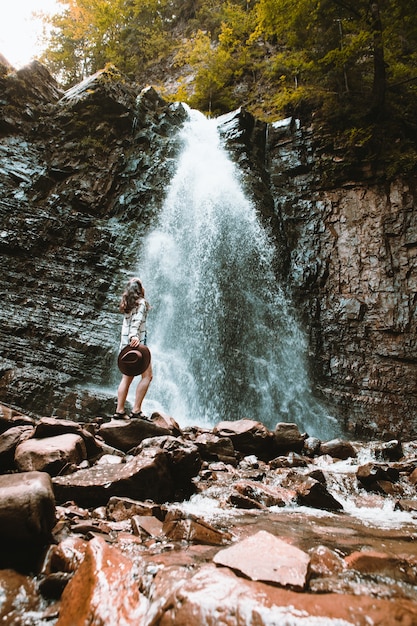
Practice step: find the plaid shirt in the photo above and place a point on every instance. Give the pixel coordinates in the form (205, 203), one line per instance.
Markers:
(134, 325)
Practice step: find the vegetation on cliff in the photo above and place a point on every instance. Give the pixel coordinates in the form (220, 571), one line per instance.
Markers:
(353, 64)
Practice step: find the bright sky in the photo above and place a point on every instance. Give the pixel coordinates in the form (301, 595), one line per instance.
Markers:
(20, 32)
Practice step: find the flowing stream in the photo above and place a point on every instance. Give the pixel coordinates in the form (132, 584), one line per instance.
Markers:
(224, 339)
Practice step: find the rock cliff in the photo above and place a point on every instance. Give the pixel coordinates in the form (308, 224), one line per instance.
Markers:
(83, 174)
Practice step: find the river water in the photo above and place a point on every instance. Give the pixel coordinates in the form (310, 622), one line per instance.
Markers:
(223, 334)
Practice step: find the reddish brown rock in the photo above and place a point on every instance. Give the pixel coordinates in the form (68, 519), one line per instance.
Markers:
(287, 438)
(370, 474)
(266, 558)
(9, 441)
(141, 478)
(248, 437)
(311, 492)
(103, 591)
(145, 526)
(50, 454)
(370, 562)
(338, 449)
(66, 556)
(214, 596)
(325, 562)
(18, 594)
(119, 509)
(126, 435)
(214, 448)
(264, 495)
(52, 427)
(27, 517)
(179, 527)
(27, 507)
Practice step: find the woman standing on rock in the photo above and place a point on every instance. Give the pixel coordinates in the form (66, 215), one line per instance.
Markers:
(134, 358)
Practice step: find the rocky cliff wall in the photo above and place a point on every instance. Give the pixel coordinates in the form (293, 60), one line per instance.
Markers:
(352, 244)
(82, 176)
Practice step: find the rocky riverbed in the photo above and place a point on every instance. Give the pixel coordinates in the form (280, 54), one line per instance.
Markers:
(145, 522)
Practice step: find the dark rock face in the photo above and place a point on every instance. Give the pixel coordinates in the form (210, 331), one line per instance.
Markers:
(349, 256)
(82, 176)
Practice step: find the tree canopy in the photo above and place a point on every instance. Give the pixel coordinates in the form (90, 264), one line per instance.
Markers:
(354, 61)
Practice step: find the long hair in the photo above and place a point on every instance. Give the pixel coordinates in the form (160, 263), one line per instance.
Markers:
(132, 296)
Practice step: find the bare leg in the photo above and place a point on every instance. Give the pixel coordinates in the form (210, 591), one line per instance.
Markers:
(122, 392)
(142, 388)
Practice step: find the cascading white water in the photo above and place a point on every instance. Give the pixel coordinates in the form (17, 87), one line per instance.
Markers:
(224, 342)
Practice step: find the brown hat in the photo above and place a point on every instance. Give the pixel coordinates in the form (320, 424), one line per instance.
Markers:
(134, 361)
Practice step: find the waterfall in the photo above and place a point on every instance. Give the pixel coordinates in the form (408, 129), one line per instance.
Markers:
(224, 341)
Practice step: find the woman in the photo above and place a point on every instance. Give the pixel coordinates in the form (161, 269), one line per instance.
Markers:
(135, 309)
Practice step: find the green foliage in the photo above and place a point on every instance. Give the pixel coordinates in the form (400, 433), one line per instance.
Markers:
(351, 62)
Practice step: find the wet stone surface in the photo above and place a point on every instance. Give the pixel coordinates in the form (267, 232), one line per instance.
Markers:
(244, 545)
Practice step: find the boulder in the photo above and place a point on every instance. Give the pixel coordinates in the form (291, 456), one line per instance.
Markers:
(217, 595)
(119, 509)
(18, 595)
(104, 590)
(338, 449)
(375, 563)
(183, 458)
(179, 527)
(52, 426)
(214, 448)
(287, 438)
(9, 440)
(371, 475)
(311, 492)
(27, 517)
(126, 435)
(140, 478)
(260, 494)
(266, 558)
(51, 454)
(247, 437)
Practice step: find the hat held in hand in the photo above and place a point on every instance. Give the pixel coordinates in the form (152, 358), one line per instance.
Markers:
(133, 361)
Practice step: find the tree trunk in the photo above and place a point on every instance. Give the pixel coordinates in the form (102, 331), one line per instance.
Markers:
(379, 84)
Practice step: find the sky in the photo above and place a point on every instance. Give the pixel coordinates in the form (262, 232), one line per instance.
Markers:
(20, 31)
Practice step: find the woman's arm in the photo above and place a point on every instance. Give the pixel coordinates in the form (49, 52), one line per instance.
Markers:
(138, 325)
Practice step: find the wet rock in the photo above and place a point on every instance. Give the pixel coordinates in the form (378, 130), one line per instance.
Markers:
(124, 508)
(50, 454)
(262, 495)
(263, 557)
(214, 448)
(18, 595)
(9, 441)
(372, 563)
(126, 435)
(311, 492)
(325, 562)
(27, 517)
(311, 446)
(287, 438)
(389, 451)
(102, 591)
(183, 458)
(179, 527)
(372, 476)
(291, 460)
(247, 437)
(145, 526)
(338, 449)
(66, 556)
(51, 427)
(141, 478)
(214, 592)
